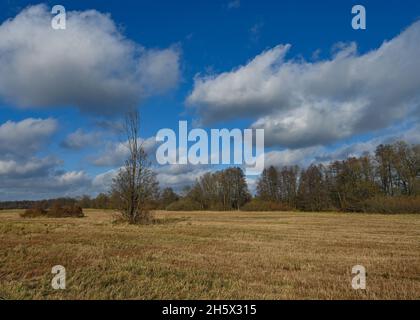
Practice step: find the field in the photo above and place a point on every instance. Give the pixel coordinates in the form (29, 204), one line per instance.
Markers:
(211, 255)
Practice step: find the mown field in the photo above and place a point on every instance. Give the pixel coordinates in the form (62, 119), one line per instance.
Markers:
(211, 255)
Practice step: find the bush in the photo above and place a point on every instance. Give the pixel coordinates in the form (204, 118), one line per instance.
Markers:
(261, 205)
(56, 211)
(33, 213)
(391, 205)
(184, 205)
(68, 211)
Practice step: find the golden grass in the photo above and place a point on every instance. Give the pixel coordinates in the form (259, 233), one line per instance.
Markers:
(211, 255)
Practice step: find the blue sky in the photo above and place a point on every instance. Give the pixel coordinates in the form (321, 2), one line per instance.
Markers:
(191, 49)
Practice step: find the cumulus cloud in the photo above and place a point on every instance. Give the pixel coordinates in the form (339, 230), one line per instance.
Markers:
(33, 167)
(73, 183)
(26, 175)
(116, 127)
(72, 178)
(325, 154)
(90, 64)
(242, 92)
(26, 136)
(179, 176)
(302, 104)
(80, 139)
(174, 176)
(289, 157)
(103, 181)
(115, 154)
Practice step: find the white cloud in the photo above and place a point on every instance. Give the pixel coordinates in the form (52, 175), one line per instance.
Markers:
(288, 157)
(302, 104)
(115, 154)
(29, 168)
(54, 184)
(179, 176)
(321, 154)
(90, 64)
(174, 176)
(242, 92)
(80, 139)
(24, 174)
(159, 69)
(26, 136)
(103, 181)
(72, 178)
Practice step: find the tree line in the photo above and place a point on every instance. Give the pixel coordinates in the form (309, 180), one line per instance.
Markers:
(386, 181)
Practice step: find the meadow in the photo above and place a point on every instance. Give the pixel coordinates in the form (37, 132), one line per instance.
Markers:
(211, 255)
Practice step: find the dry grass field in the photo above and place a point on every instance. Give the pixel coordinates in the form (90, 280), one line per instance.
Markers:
(211, 255)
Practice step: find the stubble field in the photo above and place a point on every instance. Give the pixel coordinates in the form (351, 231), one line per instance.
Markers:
(211, 255)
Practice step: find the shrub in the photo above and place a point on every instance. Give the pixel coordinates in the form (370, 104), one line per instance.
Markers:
(391, 205)
(184, 205)
(56, 211)
(33, 213)
(261, 205)
(67, 211)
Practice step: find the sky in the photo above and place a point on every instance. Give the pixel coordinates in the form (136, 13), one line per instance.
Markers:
(297, 69)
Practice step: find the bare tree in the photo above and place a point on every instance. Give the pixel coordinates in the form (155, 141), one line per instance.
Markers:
(268, 186)
(135, 184)
(222, 190)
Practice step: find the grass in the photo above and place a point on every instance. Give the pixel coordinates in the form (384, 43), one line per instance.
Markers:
(211, 255)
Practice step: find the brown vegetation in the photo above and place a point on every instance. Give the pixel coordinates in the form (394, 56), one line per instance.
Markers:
(56, 211)
(212, 255)
(34, 212)
(261, 205)
(391, 205)
(184, 204)
(387, 182)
